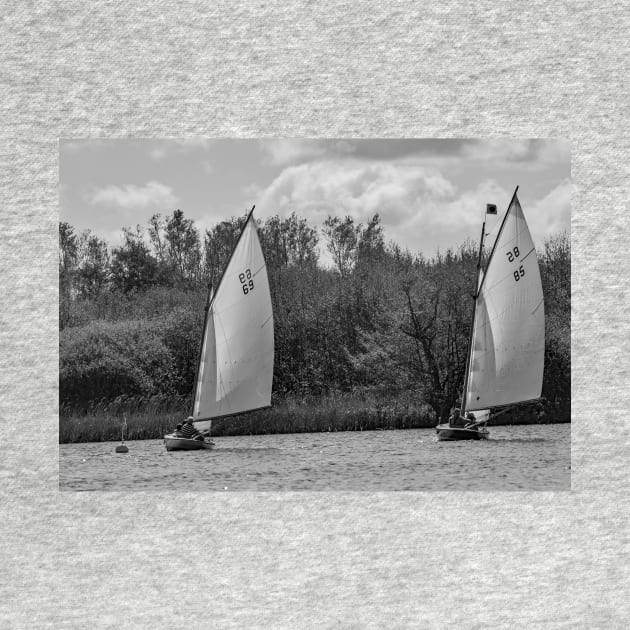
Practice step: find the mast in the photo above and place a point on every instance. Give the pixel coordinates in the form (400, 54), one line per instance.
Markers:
(472, 323)
(210, 301)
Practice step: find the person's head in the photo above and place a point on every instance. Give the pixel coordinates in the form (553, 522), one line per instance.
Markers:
(179, 426)
(189, 420)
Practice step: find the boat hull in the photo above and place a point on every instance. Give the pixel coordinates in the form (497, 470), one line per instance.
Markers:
(446, 433)
(173, 443)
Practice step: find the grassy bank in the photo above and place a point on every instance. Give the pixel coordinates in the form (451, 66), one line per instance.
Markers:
(365, 411)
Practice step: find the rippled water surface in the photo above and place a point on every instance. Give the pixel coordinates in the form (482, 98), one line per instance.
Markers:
(536, 457)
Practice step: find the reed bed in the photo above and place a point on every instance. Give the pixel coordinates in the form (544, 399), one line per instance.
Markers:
(151, 418)
(138, 418)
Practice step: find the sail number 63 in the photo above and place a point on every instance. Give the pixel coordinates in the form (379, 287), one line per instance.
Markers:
(247, 283)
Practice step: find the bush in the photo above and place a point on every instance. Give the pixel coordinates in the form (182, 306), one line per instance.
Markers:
(104, 360)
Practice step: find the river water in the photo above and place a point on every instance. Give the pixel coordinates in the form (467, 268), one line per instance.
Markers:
(534, 457)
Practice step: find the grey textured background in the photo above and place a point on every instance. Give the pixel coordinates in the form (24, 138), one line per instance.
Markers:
(304, 560)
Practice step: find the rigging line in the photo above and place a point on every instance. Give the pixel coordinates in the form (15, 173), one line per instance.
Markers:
(533, 249)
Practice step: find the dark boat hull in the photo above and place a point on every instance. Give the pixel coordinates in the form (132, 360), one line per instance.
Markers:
(183, 444)
(446, 433)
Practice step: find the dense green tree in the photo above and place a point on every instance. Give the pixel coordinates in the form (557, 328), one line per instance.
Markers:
(68, 249)
(555, 267)
(133, 267)
(439, 305)
(343, 236)
(371, 243)
(68, 252)
(156, 230)
(288, 241)
(183, 247)
(93, 266)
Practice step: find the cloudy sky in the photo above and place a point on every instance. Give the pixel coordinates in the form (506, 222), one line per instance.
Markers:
(430, 194)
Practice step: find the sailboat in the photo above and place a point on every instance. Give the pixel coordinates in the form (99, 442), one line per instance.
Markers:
(235, 368)
(506, 352)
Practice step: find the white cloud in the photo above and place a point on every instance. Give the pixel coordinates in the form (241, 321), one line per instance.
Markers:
(356, 188)
(131, 196)
(551, 214)
(420, 208)
(411, 199)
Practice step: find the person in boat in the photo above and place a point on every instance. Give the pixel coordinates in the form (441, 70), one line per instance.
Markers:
(178, 430)
(470, 418)
(455, 419)
(189, 432)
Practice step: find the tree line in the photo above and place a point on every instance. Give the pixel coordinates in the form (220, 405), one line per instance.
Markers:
(381, 319)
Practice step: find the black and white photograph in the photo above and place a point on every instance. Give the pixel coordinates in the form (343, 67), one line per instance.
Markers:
(325, 315)
(314, 315)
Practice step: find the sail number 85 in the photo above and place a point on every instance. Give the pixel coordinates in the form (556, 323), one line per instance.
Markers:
(512, 255)
(247, 283)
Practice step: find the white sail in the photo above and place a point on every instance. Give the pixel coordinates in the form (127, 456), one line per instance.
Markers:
(236, 365)
(508, 343)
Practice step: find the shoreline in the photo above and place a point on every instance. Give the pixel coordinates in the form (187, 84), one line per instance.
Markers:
(490, 425)
(284, 419)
